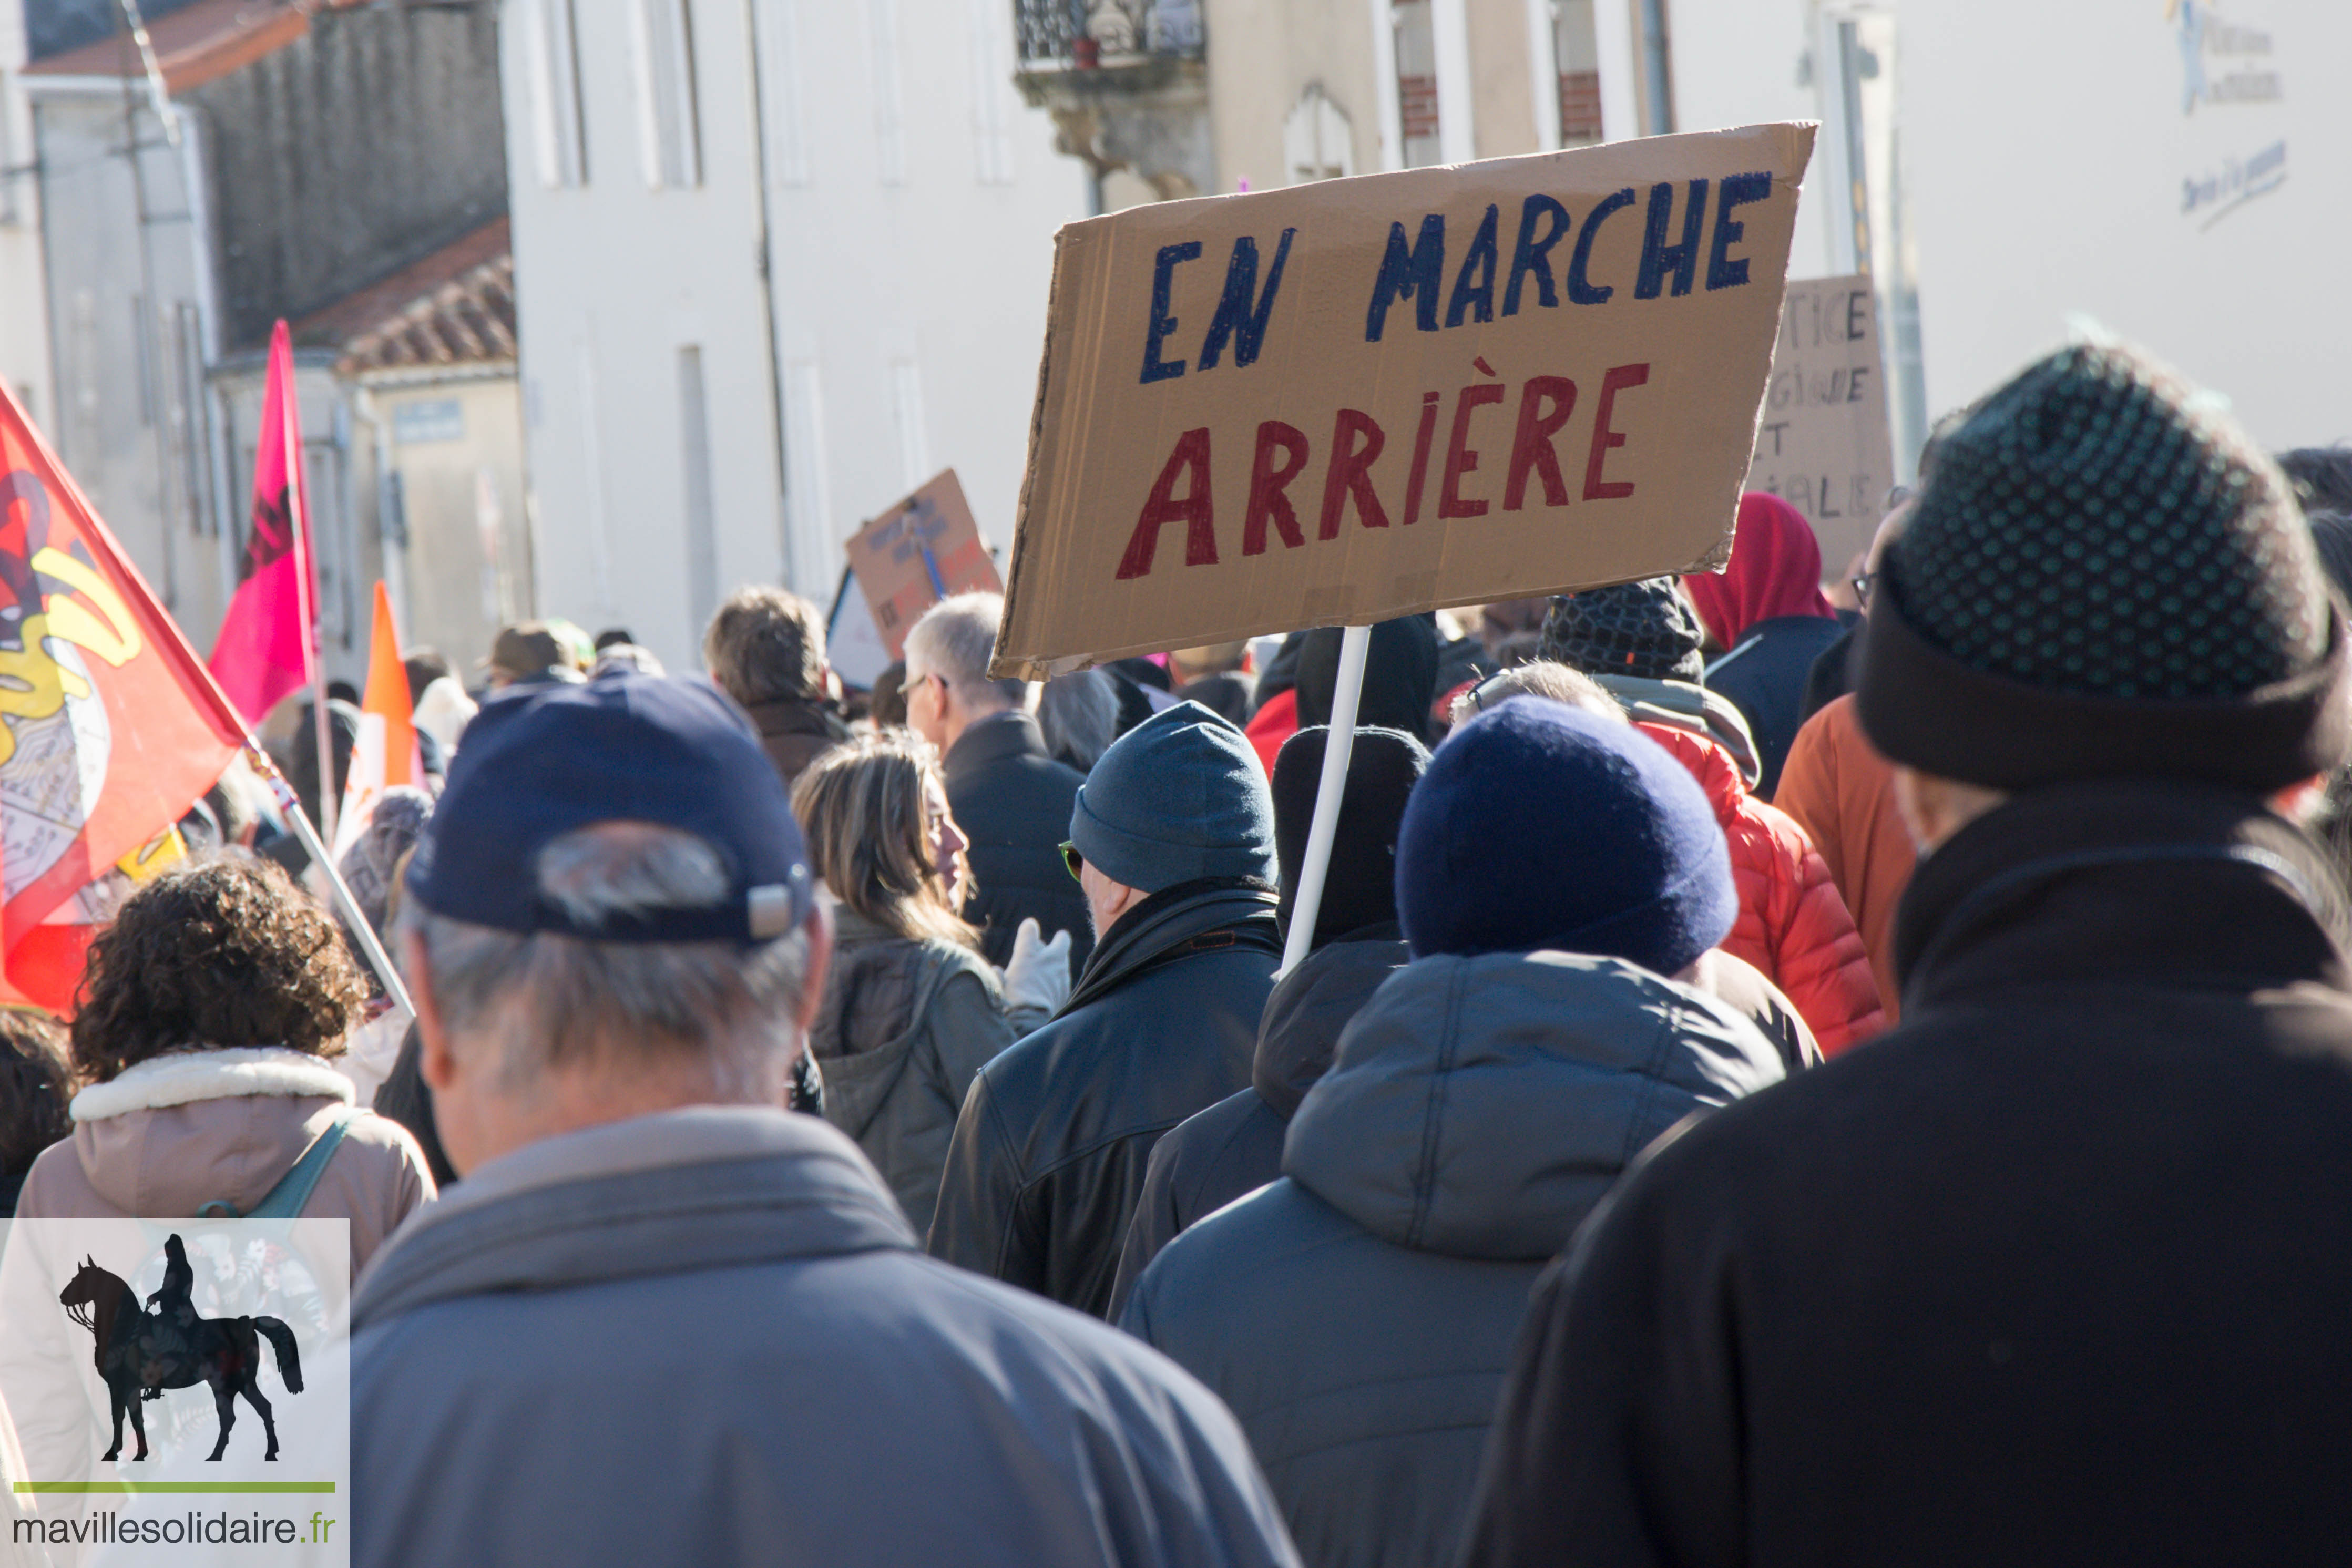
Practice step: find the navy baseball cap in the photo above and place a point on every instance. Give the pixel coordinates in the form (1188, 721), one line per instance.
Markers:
(540, 762)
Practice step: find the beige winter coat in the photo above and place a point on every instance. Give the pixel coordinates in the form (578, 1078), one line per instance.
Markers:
(173, 1132)
(158, 1142)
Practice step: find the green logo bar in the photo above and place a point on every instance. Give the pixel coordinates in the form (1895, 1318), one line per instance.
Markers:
(176, 1485)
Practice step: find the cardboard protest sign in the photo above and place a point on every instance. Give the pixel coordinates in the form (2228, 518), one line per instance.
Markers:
(1823, 444)
(1355, 399)
(921, 550)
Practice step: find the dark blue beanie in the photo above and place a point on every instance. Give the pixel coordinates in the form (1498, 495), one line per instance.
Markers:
(1540, 826)
(1181, 796)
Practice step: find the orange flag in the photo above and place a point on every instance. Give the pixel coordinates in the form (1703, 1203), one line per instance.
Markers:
(110, 727)
(385, 754)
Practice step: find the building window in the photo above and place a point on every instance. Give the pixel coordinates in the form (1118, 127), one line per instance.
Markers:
(1578, 56)
(1416, 75)
(815, 551)
(1657, 73)
(667, 118)
(890, 98)
(991, 90)
(907, 418)
(784, 92)
(1316, 142)
(551, 49)
(701, 522)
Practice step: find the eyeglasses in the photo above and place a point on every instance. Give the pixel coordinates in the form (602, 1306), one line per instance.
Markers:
(1493, 688)
(1072, 858)
(1861, 586)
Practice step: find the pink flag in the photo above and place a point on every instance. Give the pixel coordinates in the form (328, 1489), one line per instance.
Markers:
(267, 640)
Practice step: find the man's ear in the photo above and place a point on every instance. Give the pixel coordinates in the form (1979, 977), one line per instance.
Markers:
(819, 927)
(2300, 802)
(435, 1059)
(1933, 808)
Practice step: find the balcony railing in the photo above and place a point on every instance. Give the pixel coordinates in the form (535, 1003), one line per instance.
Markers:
(1092, 35)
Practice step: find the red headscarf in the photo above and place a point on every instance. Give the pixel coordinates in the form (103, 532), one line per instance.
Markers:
(1776, 570)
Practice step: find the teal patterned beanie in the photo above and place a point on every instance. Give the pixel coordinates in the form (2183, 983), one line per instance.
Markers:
(2104, 578)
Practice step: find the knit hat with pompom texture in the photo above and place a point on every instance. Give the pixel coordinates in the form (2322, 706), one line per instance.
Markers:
(2105, 578)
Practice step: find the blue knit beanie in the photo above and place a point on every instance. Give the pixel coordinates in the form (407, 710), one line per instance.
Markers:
(1540, 826)
(1181, 796)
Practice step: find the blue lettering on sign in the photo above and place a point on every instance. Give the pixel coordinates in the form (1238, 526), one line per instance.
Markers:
(1478, 297)
(1237, 316)
(1413, 267)
(1658, 257)
(1164, 282)
(1737, 190)
(1532, 255)
(1409, 274)
(1580, 291)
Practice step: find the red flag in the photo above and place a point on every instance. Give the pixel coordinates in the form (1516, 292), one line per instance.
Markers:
(267, 642)
(109, 726)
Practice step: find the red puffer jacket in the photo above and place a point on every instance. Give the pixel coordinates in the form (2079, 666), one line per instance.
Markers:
(1792, 924)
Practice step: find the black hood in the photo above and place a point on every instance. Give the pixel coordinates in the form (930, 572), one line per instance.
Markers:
(1300, 1030)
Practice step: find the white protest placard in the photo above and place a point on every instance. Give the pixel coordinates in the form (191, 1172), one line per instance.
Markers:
(1824, 444)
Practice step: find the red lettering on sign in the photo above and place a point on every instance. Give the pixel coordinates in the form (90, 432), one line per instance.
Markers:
(1267, 482)
(1531, 448)
(1196, 511)
(1616, 378)
(1350, 473)
(1459, 458)
(1418, 476)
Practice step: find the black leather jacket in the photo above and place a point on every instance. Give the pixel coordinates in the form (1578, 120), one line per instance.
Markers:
(1049, 1152)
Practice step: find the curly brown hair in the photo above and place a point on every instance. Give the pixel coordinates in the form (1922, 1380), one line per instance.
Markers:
(34, 1085)
(226, 951)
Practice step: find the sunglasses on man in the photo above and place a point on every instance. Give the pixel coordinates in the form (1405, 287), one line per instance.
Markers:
(1076, 861)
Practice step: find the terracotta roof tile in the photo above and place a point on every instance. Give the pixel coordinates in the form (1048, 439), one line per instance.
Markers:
(194, 45)
(455, 306)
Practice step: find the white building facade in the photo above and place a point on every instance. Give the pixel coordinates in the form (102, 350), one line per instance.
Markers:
(778, 262)
(24, 301)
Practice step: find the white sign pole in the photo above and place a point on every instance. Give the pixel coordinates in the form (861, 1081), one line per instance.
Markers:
(1354, 643)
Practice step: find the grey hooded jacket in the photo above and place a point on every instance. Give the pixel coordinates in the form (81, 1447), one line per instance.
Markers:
(904, 1027)
(707, 1336)
(1358, 1315)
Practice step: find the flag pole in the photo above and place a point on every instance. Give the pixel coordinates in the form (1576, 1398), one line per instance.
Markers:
(297, 517)
(1338, 746)
(371, 947)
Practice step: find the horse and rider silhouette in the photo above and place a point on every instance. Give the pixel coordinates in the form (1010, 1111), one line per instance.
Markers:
(141, 1353)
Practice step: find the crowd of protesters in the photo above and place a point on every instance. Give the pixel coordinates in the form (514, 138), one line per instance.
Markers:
(1782, 1072)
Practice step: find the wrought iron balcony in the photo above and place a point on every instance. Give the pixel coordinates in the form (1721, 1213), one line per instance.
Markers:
(1121, 36)
(1126, 82)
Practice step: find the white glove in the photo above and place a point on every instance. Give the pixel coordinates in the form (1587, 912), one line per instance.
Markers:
(1037, 980)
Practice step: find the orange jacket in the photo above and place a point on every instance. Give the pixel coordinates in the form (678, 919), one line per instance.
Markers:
(1841, 792)
(1792, 923)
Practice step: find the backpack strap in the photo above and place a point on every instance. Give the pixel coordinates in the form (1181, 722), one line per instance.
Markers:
(286, 1200)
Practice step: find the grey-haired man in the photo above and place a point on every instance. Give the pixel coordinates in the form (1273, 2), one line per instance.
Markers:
(662, 1321)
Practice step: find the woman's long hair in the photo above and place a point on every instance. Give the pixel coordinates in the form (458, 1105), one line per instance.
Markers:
(863, 806)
